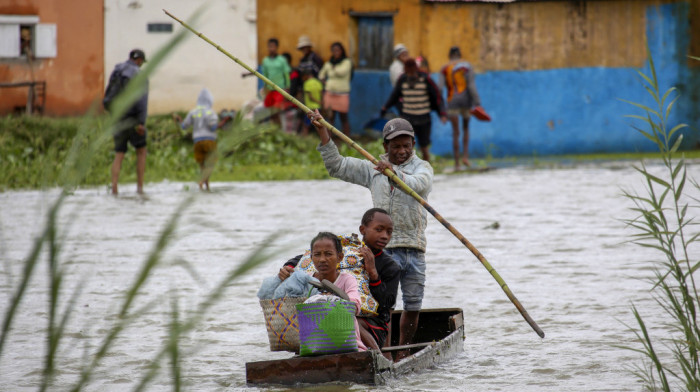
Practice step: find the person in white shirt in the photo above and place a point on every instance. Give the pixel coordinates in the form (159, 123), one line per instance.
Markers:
(396, 67)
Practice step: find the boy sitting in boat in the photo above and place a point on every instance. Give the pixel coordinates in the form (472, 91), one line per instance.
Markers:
(384, 275)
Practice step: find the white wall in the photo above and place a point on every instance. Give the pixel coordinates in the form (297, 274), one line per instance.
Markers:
(195, 63)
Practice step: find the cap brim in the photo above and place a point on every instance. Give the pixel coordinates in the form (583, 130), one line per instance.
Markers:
(400, 133)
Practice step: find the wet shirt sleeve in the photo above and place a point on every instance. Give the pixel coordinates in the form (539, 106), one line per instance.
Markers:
(187, 122)
(353, 170)
(420, 179)
(348, 283)
(212, 121)
(384, 290)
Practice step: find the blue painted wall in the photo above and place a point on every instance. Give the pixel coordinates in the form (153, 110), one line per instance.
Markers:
(564, 111)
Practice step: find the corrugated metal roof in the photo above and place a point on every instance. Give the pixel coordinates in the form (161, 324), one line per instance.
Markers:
(476, 1)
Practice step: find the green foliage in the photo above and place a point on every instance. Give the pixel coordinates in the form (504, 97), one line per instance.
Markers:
(33, 151)
(663, 224)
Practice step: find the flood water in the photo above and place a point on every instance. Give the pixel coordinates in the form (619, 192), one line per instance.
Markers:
(561, 248)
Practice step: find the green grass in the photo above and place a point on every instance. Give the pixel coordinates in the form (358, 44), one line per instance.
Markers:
(33, 151)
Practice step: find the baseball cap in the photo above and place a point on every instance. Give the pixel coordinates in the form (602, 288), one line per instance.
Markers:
(397, 127)
(137, 54)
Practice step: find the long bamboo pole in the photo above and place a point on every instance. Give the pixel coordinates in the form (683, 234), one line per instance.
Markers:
(387, 172)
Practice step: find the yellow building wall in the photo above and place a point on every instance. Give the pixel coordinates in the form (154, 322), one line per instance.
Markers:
(540, 35)
(326, 22)
(517, 36)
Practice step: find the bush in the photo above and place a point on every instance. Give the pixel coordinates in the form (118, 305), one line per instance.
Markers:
(33, 151)
(663, 223)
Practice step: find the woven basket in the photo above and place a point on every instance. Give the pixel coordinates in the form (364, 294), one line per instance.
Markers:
(327, 328)
(281, 323)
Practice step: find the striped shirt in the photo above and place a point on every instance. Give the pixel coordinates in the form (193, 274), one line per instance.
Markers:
(418, 96)
(416, 100)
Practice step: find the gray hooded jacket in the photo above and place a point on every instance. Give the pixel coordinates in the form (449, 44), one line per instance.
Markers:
(410, 218)
(202, 119)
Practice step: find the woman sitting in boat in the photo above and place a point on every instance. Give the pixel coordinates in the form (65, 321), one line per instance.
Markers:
(326, 254)
(384, 274)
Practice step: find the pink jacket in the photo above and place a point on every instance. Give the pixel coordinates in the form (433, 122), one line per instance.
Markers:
(348, 283)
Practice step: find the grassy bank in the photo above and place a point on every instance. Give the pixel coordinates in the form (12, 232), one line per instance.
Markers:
(33, 150)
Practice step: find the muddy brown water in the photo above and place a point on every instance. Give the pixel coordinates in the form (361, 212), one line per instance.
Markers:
(560, 246)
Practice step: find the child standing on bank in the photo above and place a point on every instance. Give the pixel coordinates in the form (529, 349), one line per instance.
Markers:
(204, 122)
(313, 93)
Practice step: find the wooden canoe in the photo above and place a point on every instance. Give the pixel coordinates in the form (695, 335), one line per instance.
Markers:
(440, 336)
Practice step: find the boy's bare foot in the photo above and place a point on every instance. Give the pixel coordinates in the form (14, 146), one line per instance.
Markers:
(466, 162)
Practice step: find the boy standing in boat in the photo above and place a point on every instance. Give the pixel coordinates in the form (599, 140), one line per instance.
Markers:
(408, 243)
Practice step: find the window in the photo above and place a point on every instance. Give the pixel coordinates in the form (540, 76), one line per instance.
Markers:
(22, 35)
(25, 40)
(160, 27)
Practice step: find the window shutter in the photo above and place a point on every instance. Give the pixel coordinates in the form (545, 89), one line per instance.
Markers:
(9, 40)
(45, 44)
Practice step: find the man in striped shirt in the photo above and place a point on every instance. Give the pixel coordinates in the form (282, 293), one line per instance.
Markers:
(418, 96)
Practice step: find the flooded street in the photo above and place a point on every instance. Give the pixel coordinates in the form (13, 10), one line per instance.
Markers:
(560, 247)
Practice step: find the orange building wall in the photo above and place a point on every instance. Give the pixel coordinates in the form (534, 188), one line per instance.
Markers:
(74, 78)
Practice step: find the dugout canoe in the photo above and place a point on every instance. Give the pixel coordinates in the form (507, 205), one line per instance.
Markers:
(440, 337)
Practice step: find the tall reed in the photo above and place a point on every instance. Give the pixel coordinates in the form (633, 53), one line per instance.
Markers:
(85, 147)
(665, 223)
